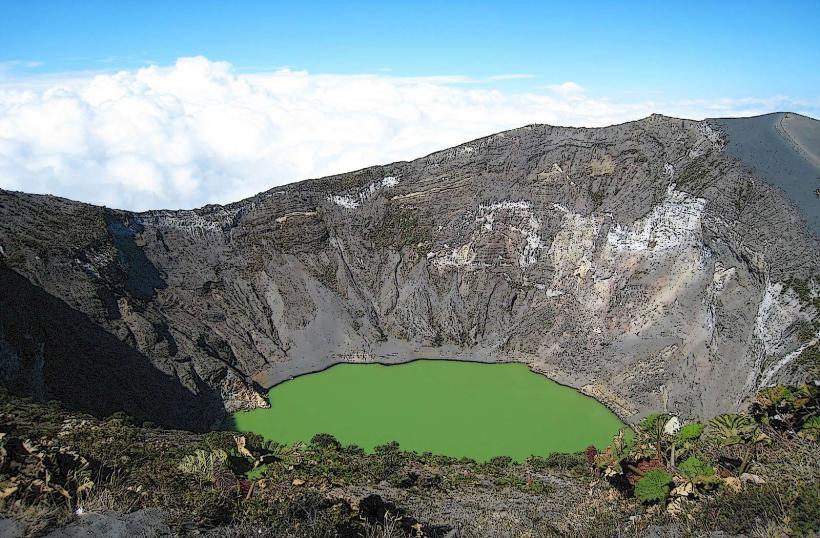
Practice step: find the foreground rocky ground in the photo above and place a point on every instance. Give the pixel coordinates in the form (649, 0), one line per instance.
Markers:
(67, 474)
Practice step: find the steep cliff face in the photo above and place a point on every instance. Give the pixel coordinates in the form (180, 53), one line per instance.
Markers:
(642, 263)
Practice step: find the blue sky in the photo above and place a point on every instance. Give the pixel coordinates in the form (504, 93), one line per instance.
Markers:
(688, 50)
(153, 104)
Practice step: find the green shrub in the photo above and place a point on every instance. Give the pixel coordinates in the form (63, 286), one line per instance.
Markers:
(745, 512)
(804, 516)
(562, 460)
(653, 422)
(537, 463)
(810, 360)
(811, 429)
(785, 408)
(539, 487)
(693, 467)
(654, 486)
(325, 440)
(203, 464)
(690, 432)
(501, 461)
(652, 440)
(610, 459)
(388, 462)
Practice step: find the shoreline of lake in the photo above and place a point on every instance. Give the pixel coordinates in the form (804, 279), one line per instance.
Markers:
(442, 421)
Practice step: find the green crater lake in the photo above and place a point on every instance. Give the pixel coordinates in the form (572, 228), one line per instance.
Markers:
(458, 409)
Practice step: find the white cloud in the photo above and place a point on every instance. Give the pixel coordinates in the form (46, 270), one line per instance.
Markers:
(567, 89)
(200, 132)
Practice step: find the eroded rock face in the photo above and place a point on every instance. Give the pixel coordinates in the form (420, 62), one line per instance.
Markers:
(640, 263)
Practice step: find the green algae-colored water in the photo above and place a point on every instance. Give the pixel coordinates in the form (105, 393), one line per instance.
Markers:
(459, 409)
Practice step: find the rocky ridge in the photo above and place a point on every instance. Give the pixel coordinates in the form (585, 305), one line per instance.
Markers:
(642, 263)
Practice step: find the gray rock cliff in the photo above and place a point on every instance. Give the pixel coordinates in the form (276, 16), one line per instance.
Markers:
(645, 264)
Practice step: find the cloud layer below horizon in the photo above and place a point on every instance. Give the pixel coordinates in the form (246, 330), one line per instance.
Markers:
(200, 132)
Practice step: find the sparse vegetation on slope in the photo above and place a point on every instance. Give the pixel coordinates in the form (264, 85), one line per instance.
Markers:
(744, 473)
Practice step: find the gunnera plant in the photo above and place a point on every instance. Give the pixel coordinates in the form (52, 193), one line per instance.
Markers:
(693, 467)
(654, 487)
(690, 432)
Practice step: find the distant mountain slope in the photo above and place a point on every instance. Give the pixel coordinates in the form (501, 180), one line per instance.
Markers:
(642, 263)
(783, 149)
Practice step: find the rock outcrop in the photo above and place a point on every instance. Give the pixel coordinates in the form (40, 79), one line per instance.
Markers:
(642, 263)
